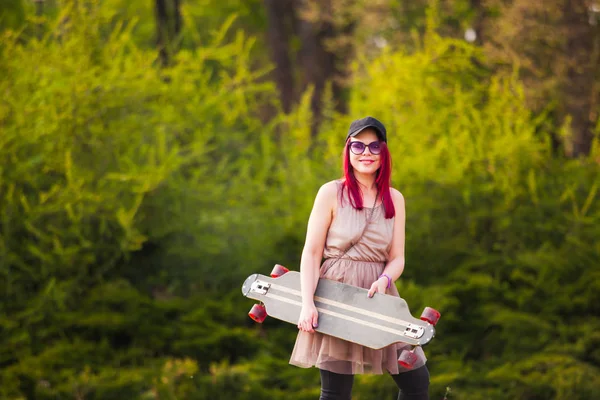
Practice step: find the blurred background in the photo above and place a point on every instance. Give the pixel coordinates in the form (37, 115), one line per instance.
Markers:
(154, 153)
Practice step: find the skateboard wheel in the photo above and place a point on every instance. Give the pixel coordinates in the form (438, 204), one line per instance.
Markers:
(258, 313)
(278, 270)
(430, 315)
(407, 359)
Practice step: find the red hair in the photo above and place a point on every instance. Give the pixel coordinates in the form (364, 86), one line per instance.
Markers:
(382, 180)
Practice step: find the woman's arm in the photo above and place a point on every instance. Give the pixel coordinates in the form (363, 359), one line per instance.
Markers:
(395, 265)
(312, 254)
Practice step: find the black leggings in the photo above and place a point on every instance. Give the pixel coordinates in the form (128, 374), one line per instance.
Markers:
(413, 385)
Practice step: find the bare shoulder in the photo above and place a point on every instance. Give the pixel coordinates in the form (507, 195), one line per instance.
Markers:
(398, 200)
(330, 188)
(327, 193)
(397, 197)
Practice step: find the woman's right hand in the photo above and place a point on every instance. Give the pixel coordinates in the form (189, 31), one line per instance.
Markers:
(309, 318)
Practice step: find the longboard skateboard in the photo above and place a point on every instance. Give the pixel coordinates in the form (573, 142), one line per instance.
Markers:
(345, 311)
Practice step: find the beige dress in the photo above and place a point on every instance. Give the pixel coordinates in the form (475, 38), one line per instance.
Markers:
(360, 266)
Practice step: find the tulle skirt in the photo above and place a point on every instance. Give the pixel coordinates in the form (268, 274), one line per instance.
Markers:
(340, 356)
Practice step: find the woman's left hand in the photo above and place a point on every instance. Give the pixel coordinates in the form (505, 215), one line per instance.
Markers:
(379, 286)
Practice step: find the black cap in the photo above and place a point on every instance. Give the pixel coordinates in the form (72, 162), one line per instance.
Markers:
(359, 125)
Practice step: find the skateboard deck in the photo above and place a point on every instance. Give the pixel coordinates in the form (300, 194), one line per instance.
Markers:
(345, 311)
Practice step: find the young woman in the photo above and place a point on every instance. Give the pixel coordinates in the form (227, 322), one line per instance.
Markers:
(357, 225)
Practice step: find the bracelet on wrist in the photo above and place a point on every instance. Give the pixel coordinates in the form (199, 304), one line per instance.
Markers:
(389, 284)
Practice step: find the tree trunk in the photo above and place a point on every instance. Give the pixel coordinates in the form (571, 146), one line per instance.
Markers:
(479, 20)
(580, 87)
(280, 15)
(324, 58)
(168, 28)
(317, 64)
(323, 55)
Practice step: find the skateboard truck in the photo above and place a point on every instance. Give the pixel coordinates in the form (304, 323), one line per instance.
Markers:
(259, 287)
(408, 358)
(414, 331)
(258, 312)
(253, 285)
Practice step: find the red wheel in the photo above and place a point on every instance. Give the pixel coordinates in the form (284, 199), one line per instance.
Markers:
(278, 270)
(258, 313)
(430, 315)
(407, 359)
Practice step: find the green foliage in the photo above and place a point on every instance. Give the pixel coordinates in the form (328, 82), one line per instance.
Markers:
(509, 230)
(104, 154)
(136, 199)
(12, 14)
